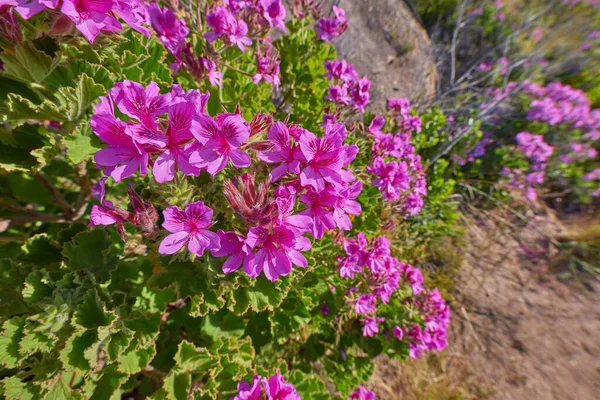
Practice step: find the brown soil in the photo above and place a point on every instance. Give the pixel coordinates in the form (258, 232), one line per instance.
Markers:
(517, 331)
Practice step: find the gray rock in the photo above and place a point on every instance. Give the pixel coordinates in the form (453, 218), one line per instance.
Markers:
(387, 44)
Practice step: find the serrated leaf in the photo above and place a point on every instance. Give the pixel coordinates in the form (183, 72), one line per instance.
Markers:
(72, 356)
(28, 64)
(223, 324)
(78, 99)
(82, 144)
(21, 109)
(134, 360)
(91, 251)
(205, 302)
(15, 159)
(33, 342)
(91, 313)
(107, 387)
(191, 359)
(66, 74)
(37, 287)
(40, 250)
(17, 390)
(12, 333)
(60, 390)
(177, 385)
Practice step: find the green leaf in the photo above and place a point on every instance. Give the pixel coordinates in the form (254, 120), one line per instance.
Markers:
(91, 313)
(82, 144)
(91, 251)
(12, 333)
(40, 250)
(72, 355)
(28, 64)
(191, 359)
(78, 99)
(21, 109)
(34, 342)
(15, 159)
(222, 324)
(17, 390)
(107, 387)
(60, 390)
(134, 360)
(37, 287)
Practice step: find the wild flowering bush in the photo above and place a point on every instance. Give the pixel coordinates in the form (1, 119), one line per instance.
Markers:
(194, 205)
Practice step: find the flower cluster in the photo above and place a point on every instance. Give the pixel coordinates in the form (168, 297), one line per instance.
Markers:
(347, 89)
(396, 165)
(89, 16)
(362, 393)
(381, 275)
(537, 152)
(273, 388)
(171, 132)
(561, 104)
(329, 28)
(231, 23)
(436, 315)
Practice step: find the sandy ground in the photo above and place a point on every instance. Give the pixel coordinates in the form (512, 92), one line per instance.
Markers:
(517, 331)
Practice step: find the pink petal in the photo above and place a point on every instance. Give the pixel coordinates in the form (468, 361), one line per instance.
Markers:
(173, 243)
(239, 158)
(174, 219)
(164, 167)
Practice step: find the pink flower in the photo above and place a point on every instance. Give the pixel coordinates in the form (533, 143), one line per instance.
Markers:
(144, 104)
(320, 209)
(332, 27)
(346, 204)
(224, 24)
(371, 326)
(91, 16)
(276, 388)
(221, 138)
(232, 245)
(134, 13)
(365, 304)
(178, 133)
(28, 8)
(249, 392)
(123, 157)
(274, 12)
(362, 394)
(284, 151)
(189, 227)
(324, 156)
(275, 252)
(398, 333)
(170, 30)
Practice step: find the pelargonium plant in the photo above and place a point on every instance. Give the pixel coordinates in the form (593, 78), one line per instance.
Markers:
(181, 187)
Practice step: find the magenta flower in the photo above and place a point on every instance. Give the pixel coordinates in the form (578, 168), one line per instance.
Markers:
(170, 30)
(248, 391)
(341, 70)
(275, 252)
(371, 326)
(91, 16)
(400, 106)
(189, 227)
(178, 133)
(144, 104)
(375, 126)
(283, 151)
(360, 93)
(362, 394)
(28, 8)
(123, 157)
(232, 246)
(346, 204)
(348, 266)
(332, 27)
(320, 209)
(324, 156)
(397, 332)
(274, 12)
(134, 13)
(224, 24)
(221, 138)
(365, 304)
(277, 388)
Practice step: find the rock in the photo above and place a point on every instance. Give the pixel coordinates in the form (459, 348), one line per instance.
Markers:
(387, 44)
